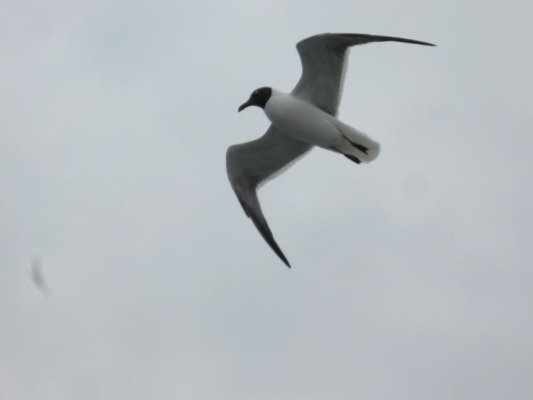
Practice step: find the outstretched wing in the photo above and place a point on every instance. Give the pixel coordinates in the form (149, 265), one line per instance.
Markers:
(324, 59)
(252, 163)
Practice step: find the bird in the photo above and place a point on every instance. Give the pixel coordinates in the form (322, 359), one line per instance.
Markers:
(37, 276)
(304, 118)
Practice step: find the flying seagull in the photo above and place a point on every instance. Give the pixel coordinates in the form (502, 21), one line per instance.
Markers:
(301, 119)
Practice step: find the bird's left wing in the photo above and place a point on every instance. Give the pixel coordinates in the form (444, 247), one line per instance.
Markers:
(324, 62)
(252, 163)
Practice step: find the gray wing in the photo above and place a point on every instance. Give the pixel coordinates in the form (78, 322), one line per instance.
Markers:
(251, 163)
(323, 62)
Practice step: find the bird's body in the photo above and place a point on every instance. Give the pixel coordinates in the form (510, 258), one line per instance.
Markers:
(304, 118)
(309, 124)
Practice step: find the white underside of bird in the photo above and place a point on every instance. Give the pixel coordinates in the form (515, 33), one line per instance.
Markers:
(303, 121)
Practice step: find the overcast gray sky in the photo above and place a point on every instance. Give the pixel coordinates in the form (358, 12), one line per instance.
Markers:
(411, 275)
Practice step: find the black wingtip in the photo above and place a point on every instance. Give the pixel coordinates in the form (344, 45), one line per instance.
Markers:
(274, 246)
(410, 41)
(251, 207)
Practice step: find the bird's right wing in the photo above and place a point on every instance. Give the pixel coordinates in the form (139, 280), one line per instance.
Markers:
(323, 63)
(252, 163)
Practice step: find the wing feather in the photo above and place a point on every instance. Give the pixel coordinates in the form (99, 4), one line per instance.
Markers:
(324, 59)
(252, 163)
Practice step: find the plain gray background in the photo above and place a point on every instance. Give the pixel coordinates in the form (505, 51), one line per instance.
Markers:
(411, 276)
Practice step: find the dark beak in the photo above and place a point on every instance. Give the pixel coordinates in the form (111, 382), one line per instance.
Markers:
(244, 105)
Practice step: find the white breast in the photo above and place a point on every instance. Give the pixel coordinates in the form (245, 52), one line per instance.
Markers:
(310, 124)
(301, 120)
